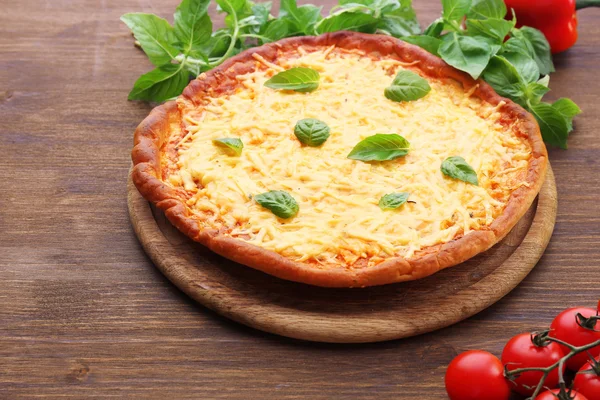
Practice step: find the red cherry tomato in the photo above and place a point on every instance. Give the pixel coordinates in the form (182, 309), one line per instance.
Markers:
(476, 375)
(521, 352)
(566, 328)
(588, 383)
(550, 395)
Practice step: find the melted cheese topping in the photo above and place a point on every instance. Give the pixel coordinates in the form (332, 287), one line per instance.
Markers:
(339, 221)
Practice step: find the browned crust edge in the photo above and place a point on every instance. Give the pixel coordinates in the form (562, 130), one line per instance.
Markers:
(153, 132)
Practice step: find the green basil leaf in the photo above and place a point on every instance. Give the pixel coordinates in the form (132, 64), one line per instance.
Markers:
(535, 91)
(397, 26)
(455, 10)
(155, 35)
(494, 28)
(277, 29)
(553, 124)
(279, 202)
(261, 12)
(526, 66)
(537, 45)
(435, 28)
(393, 200)
(482, 9)
(299, 79)
(568, 109)
(351, 6)
(216, 46)
(506, 80)
(192, 25)
(397, 18)
(161, 83)
(388, 6)
(288, 7)
(429, 43)
(518, 45)
(308, 16)
(466, 53)
(232, 146)
(380, 147)
(305, 17)
(456, 167)
(311, 132)
(347, 21)
(241, 9)
(364, 3)
(407, 86)
(545, 81)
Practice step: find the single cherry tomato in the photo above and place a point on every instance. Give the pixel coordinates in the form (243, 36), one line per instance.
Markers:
(553, 395)
(476, 375)
(526, 351)
(566, 327)
(587, 380)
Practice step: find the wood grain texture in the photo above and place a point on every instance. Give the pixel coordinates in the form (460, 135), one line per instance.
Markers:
(85, 314)
(365, 315)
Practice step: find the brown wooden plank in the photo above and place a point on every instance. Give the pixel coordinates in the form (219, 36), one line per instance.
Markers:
(83, 312)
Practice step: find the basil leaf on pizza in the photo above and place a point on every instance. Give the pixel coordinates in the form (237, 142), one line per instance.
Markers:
(456, 167)
(232, 146)
(407, 86)
(299, 79)
(311, 132)
(392, 201)
(279, 202)
(380, 147)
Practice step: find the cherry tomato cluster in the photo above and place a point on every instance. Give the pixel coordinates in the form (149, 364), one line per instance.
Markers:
(533, 362)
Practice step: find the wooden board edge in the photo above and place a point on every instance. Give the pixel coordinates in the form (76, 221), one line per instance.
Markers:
(480, 295)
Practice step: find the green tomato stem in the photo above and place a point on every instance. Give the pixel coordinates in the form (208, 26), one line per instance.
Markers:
(559, 364)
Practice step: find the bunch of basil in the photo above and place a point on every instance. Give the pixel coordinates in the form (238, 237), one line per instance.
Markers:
(470, 36)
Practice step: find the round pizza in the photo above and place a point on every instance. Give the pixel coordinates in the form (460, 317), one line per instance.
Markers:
(342, 160)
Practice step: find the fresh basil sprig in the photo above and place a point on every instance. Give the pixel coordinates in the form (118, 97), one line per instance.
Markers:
(279, 202)
(456, 167)
(299, 79)
(232, 146)
(407, 86)
(190, 46)
(393, 200)
(517, 68)
(380, 147)
(513, 67)
(311, 132)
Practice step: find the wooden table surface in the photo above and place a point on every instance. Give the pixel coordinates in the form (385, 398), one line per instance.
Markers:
(85, 314)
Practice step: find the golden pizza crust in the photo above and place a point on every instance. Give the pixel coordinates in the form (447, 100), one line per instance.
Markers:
(154, 132)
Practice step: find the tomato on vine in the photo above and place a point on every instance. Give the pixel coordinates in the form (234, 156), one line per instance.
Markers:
(587, 380)
(531, 350)
(576, 327)
(555, 395)
(476, 375)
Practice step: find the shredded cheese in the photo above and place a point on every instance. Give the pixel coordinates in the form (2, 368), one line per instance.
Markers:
(339, 220)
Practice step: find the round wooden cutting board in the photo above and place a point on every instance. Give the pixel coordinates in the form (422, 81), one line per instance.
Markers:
(345, 315)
